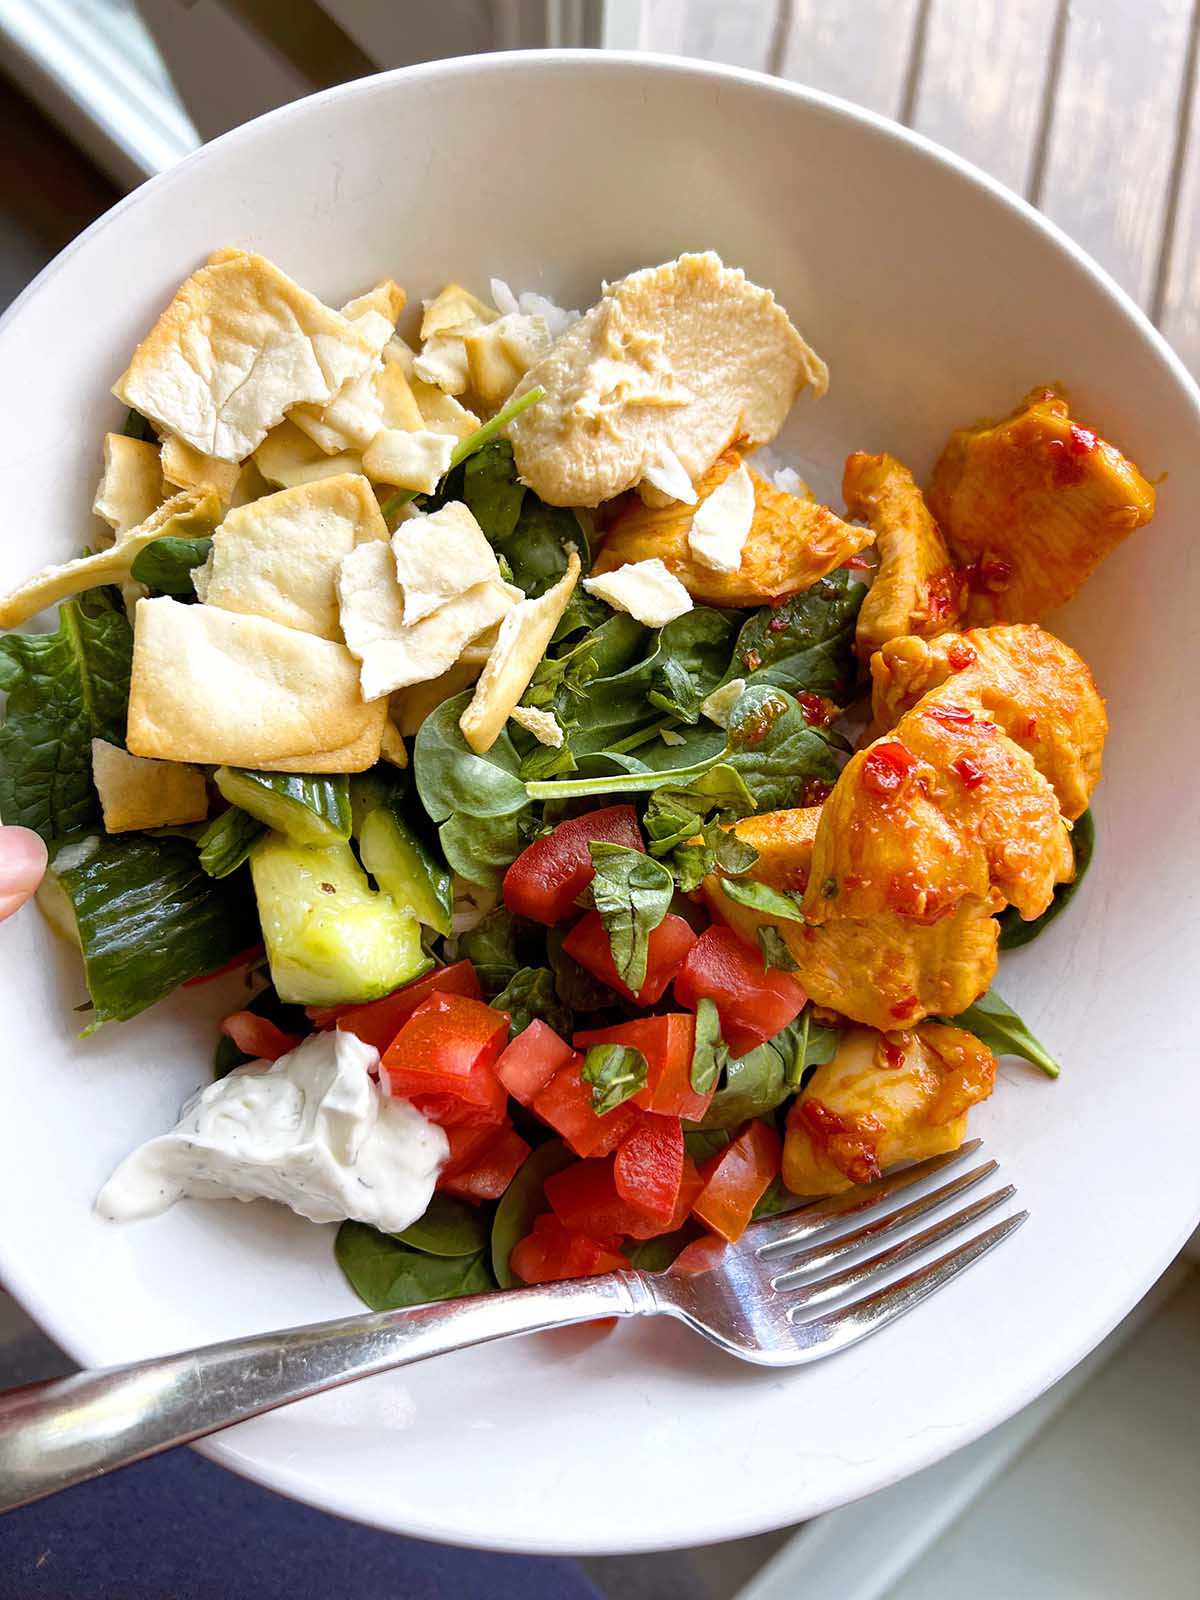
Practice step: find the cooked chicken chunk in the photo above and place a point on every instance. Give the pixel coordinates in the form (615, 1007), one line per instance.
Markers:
(884, 1098)
(1033, 685)
(792, 542)
(917, 588)
(1034, 503)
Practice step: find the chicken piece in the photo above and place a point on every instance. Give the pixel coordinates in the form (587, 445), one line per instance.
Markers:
(1034, 503)
(917, 588)
(883, 971)
(1033, 685)
(944, 808)
(792, 542)
(884, 1098)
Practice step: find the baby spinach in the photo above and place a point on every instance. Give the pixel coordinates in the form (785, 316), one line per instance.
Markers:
(64, 689)
(492, 491)
(137, 427)
(807, 643)
(766, 1076)
(710, 1053)
(522, 1203)
(478, 801)
(1013, 931)
(775, 952)
(166, 566)
(615, 1072)
(818, 1045)
(529, 994)
(688, 660)
(656, 1255)
(386, 1274)
(449, 1227)
(999, 1027)
(782, 761)
(762, 898)
(632, 893)
(491, 948)
(226, 843)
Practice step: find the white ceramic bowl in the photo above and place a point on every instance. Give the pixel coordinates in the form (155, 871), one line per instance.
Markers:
(936, 297)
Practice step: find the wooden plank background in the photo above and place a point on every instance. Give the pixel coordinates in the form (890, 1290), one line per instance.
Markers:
(1086, 107)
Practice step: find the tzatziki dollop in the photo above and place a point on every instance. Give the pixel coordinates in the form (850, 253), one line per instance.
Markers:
(312, 1130)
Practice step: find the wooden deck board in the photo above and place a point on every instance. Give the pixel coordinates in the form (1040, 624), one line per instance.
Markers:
(860, 49)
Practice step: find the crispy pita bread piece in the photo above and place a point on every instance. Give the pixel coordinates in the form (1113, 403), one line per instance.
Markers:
(278, 557)
(136, 793)
(380, 397)
(130, 486)
(187, 468)
(440, 556)
(238, 345)
(288, 457)
(224, 689)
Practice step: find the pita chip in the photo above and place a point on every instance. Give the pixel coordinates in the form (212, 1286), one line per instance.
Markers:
(439, 556)
(288, 457)
(416, 461)
(136, 793)
(131, 485)
(186, 468)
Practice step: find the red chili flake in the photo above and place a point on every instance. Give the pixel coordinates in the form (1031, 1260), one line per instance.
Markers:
(903, 1009)
(969, 771)
(1083, 440)
(995, 573)
(813, 708)
(857, 563)
(1030, 730)
(886, 767)
(892, 1054)
(952, 716)
(960, 655)
(777, 625)
(943, 593)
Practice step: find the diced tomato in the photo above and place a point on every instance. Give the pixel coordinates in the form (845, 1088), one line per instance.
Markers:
(467, 1142)
(736, 1179)
(754, 1001)
(379, 1021)
(670, 942)
(531, 1060)
(548, 876)
(667, 1044)
(552, 1253)
(584, 1197)
(258, 1036)
(493, 1169)
(242, 959)
(566, 1104)
(444, 1057)
(648, 1167)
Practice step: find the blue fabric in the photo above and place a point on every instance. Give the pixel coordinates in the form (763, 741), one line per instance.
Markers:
(180, 1528)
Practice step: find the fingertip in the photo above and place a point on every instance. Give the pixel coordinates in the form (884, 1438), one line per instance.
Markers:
(23, 858)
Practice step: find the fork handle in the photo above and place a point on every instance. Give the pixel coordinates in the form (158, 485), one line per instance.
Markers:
(67, 1430)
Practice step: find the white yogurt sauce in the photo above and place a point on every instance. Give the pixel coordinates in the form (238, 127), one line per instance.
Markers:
(311, 1130)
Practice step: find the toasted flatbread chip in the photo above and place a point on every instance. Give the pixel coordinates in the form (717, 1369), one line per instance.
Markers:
(441, 412)
(131, 485)
(392, 748)
(416, 461)
(410, 707)
(392, 654)
(187, 515)
(238, 345)
(386, 299)
(186, 468)
(524, 634)
(455, 307)
(440, 556)
(224, 689)
(287, 457)
(356, 412)
(136, 793)
(358, 756)
(279, 556)
(250, 485)
(499, 355)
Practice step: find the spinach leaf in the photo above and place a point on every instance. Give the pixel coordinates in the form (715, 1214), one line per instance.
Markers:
(266, 1003)
(166, 566)
(228, 840)
(136, 427)
(688, 661)
(700, 1143)
(64, 690)
(807, 643)
(782, 761)
(656, 1255)
(449, 1227)
(675, 815)
(386, 1274)
(575, 986)
(529, 993)
(775, 952)
(479, 802)
(481, 849)
(632, 892)
(758, 1081)
(710, 1053)
(818, 1045)
(492, 492)
(491, 948)
(1013, 931)
(762, 898)
(149, 918)
(615, 1072)
(999, 1027)
(522, 1203)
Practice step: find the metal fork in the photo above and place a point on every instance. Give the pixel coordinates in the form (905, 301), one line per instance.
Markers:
(754, 1299)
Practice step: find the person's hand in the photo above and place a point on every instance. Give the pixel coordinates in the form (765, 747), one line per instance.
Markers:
(22, 868)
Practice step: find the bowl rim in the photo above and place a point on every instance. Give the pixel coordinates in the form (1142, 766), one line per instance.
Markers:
(652, 64)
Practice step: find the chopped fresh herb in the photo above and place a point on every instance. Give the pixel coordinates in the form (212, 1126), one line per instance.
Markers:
(615, 1072)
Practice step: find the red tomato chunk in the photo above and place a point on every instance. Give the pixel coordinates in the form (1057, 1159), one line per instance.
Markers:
(494, 1166)
(648, 1167)
(258, 1036)
(670, 942)
(667, 1044)
(585, 1199)
(443, 1060)
(552, 1253)
(548, 877)
(379, 1021)
(736, 1179)
(754, 1001)
(531, 1060)
(566, 1104)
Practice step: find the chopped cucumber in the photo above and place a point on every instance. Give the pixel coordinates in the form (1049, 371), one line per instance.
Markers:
(309, 810)
(405, 868)
(228, 840)
(331, 939)
(368, 790)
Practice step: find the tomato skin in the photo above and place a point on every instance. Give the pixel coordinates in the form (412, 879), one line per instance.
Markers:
(379, 1021)
(585, 1199)
(258, 1036)
(754, 1001)
(667, 1044)
(551, 1253)
(648, 1167)
(443, 1060)
(467, 1143)
(526, 1065)
(736, 1179)
(566, 1104)
(547, 878)
(670, 942)
(242, 959)
(493, 1168)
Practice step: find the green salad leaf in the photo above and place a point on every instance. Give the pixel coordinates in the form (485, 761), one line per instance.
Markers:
(1013, 931)
(492, 491)
(530, 994)
(615, 1072)
(166, 566)
(762, 898)
(386, 1274)
(479, 802)
(136, 427)
(656, 1255)
(575, 986)
(710, 1053)
(782, 761)
(775, 952)
(632, 892)
(449, 1227)
(491, 948)
(805, 645)
(998, 1026)
(64, 689)
(522, 1203)
(226, 843)
(766, 1076)
(149, 918)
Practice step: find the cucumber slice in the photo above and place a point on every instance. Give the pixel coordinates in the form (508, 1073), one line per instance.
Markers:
(309, 810)
(405, 868)
(331, 939)
(367, 791)
(228, 840)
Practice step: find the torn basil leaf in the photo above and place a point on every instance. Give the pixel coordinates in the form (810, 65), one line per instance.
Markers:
(710, 1052)
(775, 952)
(632, 892)
(615, 1072)
(995, 1024)
(762, 898)
(530, 994)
